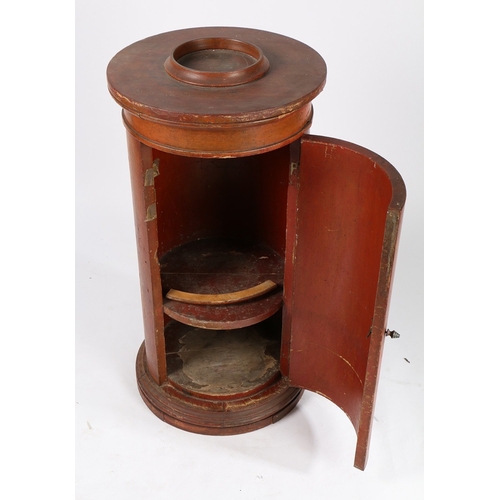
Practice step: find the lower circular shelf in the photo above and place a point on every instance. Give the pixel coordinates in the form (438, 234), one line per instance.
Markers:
(215, 417)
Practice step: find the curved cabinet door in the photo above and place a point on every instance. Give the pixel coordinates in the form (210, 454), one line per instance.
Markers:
(346, 208)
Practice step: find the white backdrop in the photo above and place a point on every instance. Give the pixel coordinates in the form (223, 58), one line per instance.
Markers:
(373, 97)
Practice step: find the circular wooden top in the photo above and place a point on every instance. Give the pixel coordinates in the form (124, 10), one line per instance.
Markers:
(215, 75)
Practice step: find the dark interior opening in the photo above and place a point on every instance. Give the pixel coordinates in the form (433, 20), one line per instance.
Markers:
(221, 232)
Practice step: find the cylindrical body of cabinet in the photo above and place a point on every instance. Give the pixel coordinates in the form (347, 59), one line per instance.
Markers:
(265, 254)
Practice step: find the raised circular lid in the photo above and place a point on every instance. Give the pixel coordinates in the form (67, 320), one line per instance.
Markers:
(216, 62)
(215, 75)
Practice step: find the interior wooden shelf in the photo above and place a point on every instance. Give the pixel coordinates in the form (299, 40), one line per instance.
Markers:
(222, 267)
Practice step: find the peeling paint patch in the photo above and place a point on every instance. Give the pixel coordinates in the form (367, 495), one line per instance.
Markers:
(329, 149)
(151, 212)
(224, 362)
(151, 173)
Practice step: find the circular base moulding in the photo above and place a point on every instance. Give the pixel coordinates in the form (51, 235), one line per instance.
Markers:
(215, 417)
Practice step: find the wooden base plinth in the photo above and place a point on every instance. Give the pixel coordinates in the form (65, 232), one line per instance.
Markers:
(215, 417)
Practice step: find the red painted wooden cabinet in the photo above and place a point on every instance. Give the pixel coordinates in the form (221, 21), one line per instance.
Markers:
(265, 254)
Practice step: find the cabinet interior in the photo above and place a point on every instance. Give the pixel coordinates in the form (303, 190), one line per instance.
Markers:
(221, 243)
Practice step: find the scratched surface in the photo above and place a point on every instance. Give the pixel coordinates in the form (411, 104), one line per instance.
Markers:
(222, 363)
(220, 265)
(342, 205)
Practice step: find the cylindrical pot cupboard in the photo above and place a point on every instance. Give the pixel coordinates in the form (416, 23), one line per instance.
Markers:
(265, 254)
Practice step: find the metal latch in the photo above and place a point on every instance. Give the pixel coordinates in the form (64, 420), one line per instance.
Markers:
(392, 333)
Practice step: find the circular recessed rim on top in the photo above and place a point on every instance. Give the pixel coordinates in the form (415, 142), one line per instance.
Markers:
(216, 78)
